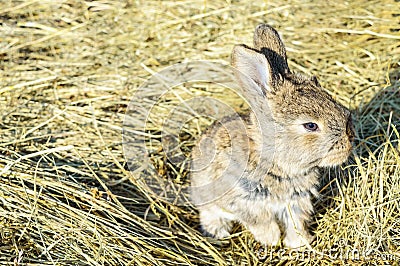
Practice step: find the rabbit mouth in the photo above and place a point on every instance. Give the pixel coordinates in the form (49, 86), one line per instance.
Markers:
(335, 159)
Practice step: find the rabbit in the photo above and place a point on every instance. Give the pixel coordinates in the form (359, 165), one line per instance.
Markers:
(261, 169)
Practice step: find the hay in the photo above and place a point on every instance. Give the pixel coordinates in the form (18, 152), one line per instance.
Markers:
(68, 71)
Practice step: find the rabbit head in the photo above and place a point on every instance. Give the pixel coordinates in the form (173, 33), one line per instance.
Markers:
(311, 128)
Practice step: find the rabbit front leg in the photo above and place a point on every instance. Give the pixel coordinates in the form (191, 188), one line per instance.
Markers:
(294, 218)
(215, 222)
(266, 232)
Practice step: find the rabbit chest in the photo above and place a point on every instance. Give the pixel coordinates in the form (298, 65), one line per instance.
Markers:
(254, 201)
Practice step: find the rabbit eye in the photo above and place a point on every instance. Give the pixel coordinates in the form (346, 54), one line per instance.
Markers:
(311, 126)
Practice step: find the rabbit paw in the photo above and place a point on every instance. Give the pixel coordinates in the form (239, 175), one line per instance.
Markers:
(215, 224)
(296, 240)
(266, 233)
(215, 231)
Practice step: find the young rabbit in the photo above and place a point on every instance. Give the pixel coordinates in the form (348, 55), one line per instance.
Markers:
(261, 169)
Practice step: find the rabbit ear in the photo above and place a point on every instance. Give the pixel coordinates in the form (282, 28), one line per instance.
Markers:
(268, 42)
(252, 69)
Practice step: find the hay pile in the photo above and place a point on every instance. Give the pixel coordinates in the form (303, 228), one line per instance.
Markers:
(68, 70)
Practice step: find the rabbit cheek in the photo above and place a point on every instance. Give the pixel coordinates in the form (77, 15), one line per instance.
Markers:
(308, 149)
(310, 140)
(337, 155)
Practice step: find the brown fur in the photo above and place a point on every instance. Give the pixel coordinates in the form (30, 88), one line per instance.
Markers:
(261, 169)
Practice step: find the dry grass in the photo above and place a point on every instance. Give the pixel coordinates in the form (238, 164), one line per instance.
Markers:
(68, 72)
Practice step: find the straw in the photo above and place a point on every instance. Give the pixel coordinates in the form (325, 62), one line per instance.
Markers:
(68, 72)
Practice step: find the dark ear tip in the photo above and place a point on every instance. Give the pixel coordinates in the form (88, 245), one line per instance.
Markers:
(265, 29)
(315, 81)
(264, 26)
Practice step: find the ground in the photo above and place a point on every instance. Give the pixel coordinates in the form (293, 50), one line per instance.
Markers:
(69, 71)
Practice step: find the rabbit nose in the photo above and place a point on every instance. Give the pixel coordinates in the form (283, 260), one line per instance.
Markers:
(350, 129)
